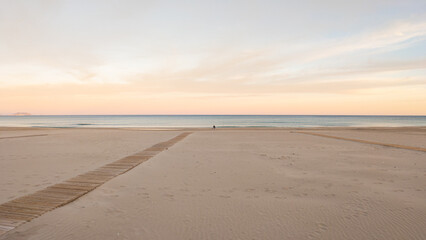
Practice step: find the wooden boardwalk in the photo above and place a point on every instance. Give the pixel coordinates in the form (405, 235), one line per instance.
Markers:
(368, 142)
(26, 208)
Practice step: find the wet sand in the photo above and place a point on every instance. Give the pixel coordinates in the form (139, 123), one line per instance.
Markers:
(224, 184)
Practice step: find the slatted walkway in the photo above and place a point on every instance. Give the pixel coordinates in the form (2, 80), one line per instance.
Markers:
(368, 142)
(26, 208)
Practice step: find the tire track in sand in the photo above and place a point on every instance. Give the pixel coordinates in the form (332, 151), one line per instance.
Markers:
(367, 142)
(35, 135)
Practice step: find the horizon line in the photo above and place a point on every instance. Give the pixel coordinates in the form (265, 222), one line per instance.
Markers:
(390, 115)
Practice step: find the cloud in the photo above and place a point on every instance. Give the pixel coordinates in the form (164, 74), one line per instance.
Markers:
(397, 34)
(144, 50)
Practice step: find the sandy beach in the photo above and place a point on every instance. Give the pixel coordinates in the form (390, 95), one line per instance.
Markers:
(224, 183)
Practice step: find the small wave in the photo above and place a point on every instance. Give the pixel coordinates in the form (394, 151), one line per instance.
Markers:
(85, 124)
(46, 126)
(248, 126)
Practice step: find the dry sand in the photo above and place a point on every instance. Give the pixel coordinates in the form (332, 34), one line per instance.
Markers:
(31, 160)
(224, 184)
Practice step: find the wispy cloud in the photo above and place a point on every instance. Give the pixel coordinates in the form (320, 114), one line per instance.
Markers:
(155, 53)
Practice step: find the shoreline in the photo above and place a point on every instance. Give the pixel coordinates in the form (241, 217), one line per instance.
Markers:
(204, 122)
(218, 128)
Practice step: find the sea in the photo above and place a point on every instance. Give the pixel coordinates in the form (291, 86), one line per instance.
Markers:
(207, 121)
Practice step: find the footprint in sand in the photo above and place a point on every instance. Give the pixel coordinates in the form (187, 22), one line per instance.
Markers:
(321, 227)
(281, 198)
(224, 196)
(145, 195)
(169, 196)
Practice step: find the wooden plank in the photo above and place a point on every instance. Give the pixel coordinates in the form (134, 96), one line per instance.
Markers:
(80, 184)
(13, 212)
(95, 178)
(85, 180)
(20, 209)
(115, 167)
(113, 172)
(42, 200)
(123, 165)
(15, 217)
(44, 197)
(59, 193)
(33, 205)
(71, 186)
(100, 173)
(147, 154)
(133, 158)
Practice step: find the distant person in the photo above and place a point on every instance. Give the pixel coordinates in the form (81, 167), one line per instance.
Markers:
(214, 127)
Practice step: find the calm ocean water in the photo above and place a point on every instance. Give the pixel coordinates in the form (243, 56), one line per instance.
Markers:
(69, 121)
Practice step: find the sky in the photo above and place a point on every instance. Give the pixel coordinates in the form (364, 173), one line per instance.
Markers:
(213, 57)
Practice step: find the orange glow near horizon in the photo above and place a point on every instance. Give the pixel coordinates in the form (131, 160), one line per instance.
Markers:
(64, 101)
